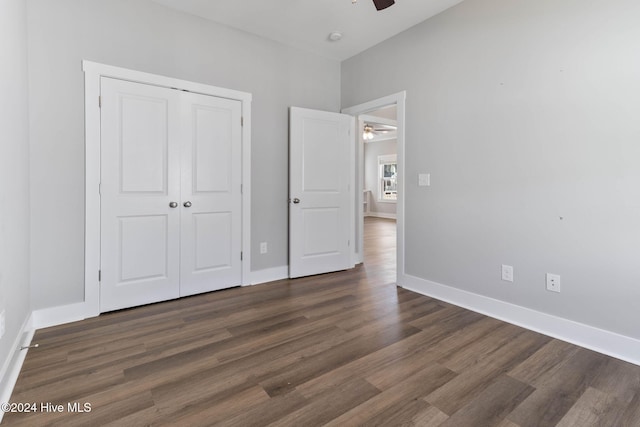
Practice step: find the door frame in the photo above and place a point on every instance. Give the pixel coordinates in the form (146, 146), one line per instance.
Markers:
(93, 72)
(399, 99)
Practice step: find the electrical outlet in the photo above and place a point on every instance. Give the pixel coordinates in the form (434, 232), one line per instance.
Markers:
(507, 273)
(553, 282)
(2, 326)
(263, 248)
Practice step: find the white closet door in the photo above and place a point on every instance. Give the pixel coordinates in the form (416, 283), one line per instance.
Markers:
(211, 194)
(140, 178)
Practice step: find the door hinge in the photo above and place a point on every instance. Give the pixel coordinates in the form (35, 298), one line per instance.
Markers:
(348, 242)
(240, 256)
(99, 275)
(99, 101)
(100, 188)
(241, 121)
(241, 189)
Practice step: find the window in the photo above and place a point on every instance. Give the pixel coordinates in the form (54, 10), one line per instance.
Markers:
(388, 178)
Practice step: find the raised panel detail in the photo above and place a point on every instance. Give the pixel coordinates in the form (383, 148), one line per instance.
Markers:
(212, 239)
(322, 231)
(143, 248)
(143, 144)
(212, 149)
(321, 166)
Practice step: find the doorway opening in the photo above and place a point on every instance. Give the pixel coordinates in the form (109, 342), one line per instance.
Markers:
(380, 191)
(379, 170)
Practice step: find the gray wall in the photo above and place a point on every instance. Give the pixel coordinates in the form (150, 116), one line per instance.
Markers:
(144, 36)
(526, 115)
(371, 152)
(14, 173)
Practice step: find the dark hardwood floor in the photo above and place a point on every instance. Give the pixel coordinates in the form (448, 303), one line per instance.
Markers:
(341, 349)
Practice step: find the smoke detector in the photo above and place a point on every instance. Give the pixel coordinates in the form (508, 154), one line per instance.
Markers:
(335, 36)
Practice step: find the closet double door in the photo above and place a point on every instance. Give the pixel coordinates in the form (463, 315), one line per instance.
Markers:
(170, 194)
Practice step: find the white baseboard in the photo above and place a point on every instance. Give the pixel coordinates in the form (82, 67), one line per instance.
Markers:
(382, 215)
(269, 275)
(602, 341)
(60, 315)
(13, 364)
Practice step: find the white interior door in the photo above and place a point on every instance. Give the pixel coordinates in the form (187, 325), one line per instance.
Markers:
(140, 178)
(211, 194)
(171, 203)
(321, 182)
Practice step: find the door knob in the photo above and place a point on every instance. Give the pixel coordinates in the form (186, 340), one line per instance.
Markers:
(296, 200)
(173, 204)
(187, 204)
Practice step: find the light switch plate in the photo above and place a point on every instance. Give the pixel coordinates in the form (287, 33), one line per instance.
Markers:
(424, 179)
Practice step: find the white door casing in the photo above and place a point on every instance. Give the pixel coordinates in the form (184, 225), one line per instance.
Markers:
(399, 99)
(321, 192)
(93, 74)
(170, 194)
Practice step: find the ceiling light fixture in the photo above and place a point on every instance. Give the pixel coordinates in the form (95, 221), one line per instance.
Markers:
(368, 132)
(383, 131)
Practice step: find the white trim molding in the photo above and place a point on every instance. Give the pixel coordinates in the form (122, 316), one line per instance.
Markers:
(605, 342)
(399, 99)
(13, 364)
(93, 73)
(59, 315)
(269, 275)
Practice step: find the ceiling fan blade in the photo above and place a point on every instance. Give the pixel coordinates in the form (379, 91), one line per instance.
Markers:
(383, 4)
(385, 128)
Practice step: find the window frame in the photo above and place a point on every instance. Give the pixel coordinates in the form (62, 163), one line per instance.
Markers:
(383, 160)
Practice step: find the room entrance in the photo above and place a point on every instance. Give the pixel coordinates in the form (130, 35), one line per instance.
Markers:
(382, 195)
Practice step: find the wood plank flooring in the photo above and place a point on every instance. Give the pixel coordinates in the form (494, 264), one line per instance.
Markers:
(341, 349)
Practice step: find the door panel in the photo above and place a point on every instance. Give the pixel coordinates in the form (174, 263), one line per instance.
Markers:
(321, 232)
(146, 235)
(140, 177)
(144, 135)
(212, 148)
(320, 183)
(320, 143)
(211, 180)
(212, 243)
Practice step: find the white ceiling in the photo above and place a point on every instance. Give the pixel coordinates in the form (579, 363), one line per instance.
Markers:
(306, 24)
